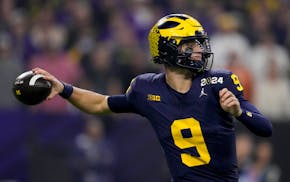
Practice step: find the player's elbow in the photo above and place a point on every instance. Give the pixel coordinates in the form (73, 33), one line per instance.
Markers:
(96, 110)
(100, 107)
(101, 110)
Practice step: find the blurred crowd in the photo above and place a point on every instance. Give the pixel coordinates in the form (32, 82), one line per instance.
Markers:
(255, 160)
(101, 45)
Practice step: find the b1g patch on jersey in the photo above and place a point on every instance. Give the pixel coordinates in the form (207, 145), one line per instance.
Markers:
(152, 97)
(211, 80)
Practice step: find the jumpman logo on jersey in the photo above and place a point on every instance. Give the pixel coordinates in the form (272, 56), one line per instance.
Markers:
(202, 93)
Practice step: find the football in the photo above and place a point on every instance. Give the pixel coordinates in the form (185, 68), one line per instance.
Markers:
(30, 88)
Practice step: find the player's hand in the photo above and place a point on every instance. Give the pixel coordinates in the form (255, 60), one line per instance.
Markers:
(57, 86)
(229, 102)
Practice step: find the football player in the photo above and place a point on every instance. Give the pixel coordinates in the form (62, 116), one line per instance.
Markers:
(190, 106)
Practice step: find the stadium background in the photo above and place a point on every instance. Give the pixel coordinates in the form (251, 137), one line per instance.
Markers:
(101, 46)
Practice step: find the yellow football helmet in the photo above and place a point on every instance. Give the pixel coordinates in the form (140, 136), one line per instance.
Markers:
(172, 31)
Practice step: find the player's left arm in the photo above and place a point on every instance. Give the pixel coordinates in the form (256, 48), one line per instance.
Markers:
(254, 120)
(233, 102)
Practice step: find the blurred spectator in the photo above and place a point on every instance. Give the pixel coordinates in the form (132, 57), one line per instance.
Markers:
(10, 68)
(281, 25)
(136, 63)
(81, 31)
(97, 66)
(235, 64)
(272, 93)
(227, 39)
(245, 146)
(51, 38)
(123, 34)
(92, 157)
(268, 50)
(142, 16)
(126, 49)
(21, 40)
(259, 20)
(262, 169)
(102, 12)
(6, 10)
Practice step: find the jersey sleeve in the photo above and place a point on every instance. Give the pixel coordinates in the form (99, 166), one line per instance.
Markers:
(255, 121)
(233, 84)
(121, 103)
(251, 117)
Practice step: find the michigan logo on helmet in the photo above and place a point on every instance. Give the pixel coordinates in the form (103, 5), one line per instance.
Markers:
(172, 31)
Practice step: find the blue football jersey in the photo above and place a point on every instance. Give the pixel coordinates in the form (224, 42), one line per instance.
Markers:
(197, 136)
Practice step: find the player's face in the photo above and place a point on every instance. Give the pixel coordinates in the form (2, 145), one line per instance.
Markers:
(194, 48)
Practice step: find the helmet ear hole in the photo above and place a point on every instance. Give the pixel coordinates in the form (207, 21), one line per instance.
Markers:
(168, 51)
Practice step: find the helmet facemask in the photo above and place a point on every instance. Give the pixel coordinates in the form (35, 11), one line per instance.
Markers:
(194, 54)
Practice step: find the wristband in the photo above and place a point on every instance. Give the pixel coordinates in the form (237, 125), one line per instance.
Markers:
(67, 90)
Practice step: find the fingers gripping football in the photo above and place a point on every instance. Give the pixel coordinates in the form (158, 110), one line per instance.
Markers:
(229, 102)
(57, 86)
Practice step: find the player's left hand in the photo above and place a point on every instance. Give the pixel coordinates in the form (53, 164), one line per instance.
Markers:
(229, 102)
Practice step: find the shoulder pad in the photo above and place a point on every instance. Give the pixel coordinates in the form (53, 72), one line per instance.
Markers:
(142, 81)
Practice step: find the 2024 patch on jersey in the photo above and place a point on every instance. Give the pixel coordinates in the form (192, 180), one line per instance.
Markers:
(197, 136)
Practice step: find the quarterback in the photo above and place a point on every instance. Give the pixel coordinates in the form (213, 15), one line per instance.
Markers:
(190, 107)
